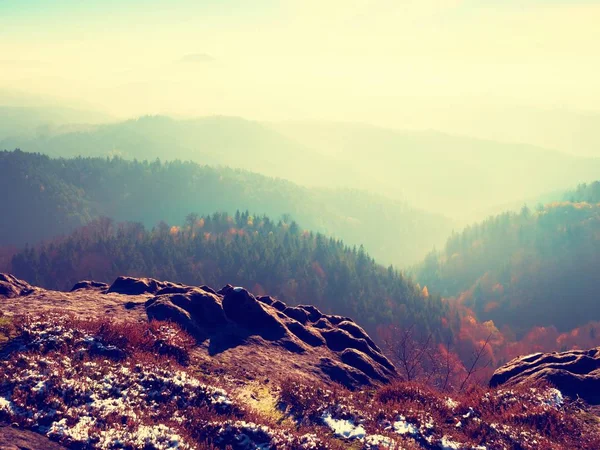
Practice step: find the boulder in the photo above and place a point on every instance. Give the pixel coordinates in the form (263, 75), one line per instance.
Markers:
(362, 362)
(279, 305)
(14, 438)
(138, 286)
(192, 308)
(358, 333)
(313, 313)
(323, 324)
(305, 334)
(336, 320)
(339, 340)
(11, 286)
(296, 313)
(266, 299)
(342, 373)
(575, 373)
(91, 285)
(241, 307)
(225, 289)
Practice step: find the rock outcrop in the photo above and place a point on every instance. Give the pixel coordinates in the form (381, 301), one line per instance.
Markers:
(11, 287)
(87, 284)
(137, 286)
(13, 438)
(233, 315)
(575, 373)
(260, 335)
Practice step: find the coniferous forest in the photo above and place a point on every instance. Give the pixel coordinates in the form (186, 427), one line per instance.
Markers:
(277, 258)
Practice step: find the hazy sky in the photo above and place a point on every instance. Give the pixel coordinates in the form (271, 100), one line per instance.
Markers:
(380, 61)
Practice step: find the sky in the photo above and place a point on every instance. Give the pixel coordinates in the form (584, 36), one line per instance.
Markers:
(411, 63)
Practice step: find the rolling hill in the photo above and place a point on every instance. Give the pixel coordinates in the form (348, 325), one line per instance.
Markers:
(49, 197)
(461, 177)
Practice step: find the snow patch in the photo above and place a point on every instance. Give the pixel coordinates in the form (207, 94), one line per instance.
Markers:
(401, 426)
(344, 428)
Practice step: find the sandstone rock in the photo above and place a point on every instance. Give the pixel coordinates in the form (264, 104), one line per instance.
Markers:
(343, 374)
(242, 308)
(336, 320)
(313, 313)
(323, 324)
(296, 313)
(13, 438)
(11, 286)
(225, 289)
(358, 333)
(575, 373)
(203, 307)
(263, 334)
(339, 340)
(266, 299)
(93, 285)
(306, 334)
(362, 362)
(279, 305)
(138, 286)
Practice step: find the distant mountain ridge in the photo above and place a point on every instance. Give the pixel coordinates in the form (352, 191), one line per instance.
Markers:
(50, 197)
(454, 175)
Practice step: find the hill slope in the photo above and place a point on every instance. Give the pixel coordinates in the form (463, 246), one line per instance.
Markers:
(526, 269)
(53, 196)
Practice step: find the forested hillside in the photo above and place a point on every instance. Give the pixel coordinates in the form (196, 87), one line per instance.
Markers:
(585, 192)
(54, 196)
(528, 269)
(457, 176)
(278, 258)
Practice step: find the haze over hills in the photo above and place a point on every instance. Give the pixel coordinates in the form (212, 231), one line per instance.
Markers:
(528, 272)
(459, 177)
(51, 197)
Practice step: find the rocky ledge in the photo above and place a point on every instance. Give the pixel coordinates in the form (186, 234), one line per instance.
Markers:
(230, 324)
(575, 373)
